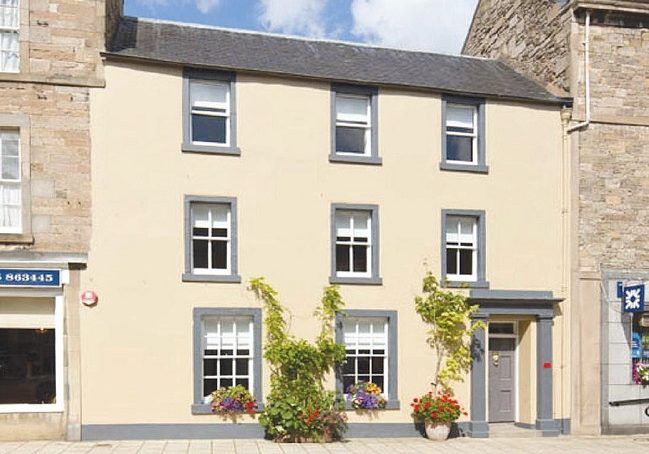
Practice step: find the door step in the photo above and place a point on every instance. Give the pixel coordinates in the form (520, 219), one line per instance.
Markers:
(509, 430)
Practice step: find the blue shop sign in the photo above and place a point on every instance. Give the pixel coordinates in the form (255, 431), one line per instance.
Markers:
(633, 298)
(23, 277)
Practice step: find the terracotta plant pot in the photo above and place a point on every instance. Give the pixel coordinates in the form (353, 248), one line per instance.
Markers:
(437, 431)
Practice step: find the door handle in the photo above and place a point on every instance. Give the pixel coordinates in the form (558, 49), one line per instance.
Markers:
(495, 358)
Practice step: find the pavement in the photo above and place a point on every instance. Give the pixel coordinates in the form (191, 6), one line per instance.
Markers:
(567, 444)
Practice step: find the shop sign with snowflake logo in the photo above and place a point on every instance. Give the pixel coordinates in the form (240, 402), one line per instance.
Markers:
(633, 299)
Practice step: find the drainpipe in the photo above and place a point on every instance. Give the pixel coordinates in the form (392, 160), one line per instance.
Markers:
(586, 75)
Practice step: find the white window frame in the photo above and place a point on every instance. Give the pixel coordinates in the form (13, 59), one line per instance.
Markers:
(473, 135)
(473, 277)
(9, 182)
(209, 238)
(350, 123)
(250, 357)
(351, 243)
(59, 375)
(4, 29)
(371, 321)
(225, 106)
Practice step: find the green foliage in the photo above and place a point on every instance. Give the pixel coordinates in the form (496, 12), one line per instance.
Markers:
(449, 316)
(299, 408)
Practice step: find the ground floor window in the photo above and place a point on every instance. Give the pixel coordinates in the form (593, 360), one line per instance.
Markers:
(640, 348)
(30, 356)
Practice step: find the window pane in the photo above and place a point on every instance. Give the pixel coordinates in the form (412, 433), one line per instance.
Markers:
(199, 253)
(342, 257)
(27, 366)
(200, 231)
(347, 382)
(208, 129)
(209, 95)
(363, 365)
(348, 367)
(9, 143)
(378, 380)
(226, 382)
(350, 140)
(451, 261)
(209, 367)
(459, 116)
(363, 378)
(209, 385)
(243, 382)
(360, 258)
(220, 232)
(226, 367)
(352, 109)
(242, 366)
(377, 365)
(466, 261)
(219, 255)
(459, 148)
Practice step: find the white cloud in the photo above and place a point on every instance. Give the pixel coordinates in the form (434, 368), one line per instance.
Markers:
(303, 17)
(433, 25)
(204, 6)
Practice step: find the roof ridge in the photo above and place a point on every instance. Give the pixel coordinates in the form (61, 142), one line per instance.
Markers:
(300, 38)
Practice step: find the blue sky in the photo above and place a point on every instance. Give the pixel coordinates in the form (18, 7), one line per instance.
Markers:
(433, 25)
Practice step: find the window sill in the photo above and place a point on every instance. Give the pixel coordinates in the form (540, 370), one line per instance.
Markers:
(471, 168)
(389, 405)
(206, 409)
(356, 280)
(226, 278)
(345, 159)
(466, 284)
(16, 238)
(210, 149)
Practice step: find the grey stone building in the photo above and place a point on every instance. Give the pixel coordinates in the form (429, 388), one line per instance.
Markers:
(597, 52)
(49, 60)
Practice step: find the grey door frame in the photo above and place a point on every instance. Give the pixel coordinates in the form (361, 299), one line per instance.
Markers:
(515, 338)
(539, 304)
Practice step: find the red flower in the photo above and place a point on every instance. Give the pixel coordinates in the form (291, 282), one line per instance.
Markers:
(434, 415)
(427, 405)
(417, 407)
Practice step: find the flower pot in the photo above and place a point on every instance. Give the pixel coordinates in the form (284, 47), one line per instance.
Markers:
(437, 431)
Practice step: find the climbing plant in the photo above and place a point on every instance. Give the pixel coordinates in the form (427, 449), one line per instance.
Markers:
(299, 408)
(448, 315)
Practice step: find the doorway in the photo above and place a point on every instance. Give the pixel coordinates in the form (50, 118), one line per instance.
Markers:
(502, 372)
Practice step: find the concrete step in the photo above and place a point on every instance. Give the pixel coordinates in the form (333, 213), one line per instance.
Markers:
(509, 430)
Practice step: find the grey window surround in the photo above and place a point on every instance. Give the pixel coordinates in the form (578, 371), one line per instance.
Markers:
(375, 279)
(481, 166)
(393, 402)
(233, 277)
(480, 215)
(360, 90)
(201, 74)
(198, 407)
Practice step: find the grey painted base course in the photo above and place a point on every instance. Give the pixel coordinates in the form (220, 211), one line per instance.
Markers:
(92, 432)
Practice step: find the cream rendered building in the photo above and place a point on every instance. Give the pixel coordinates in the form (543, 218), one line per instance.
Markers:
(222, 155)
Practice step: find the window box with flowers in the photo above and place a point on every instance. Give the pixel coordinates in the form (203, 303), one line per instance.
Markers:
(232, 401)
(366, 396)
(641, 374)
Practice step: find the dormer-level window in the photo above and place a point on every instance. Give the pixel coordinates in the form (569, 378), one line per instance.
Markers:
(9, 29)
(463, 135)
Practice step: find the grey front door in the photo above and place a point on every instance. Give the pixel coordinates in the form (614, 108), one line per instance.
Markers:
(502, 379)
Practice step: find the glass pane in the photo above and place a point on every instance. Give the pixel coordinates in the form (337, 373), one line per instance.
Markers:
(459, 116)
(208, 129)
(348, 367)
(209, 385)
(209, 367)
(243, 382)
(451, 261)
(377, 365)
(360, 258)
(226, 382)
(342, 257)
(27, 366)
(501, 328)
(219, 255)
(199, 253)
(364, 365)
(466, 262)
(352, 108)
(209, 95)
(459, 148)
(226, 367)
(220, 232)
(350, 140)
(10, 168)
(200, 215)
(343, 224)
(242, 366)
(378, 380)
(9, 143)
(363, 378)
(196, 231)
(361, 225)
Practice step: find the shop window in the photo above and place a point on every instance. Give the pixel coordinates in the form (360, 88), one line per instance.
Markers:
(640, 348)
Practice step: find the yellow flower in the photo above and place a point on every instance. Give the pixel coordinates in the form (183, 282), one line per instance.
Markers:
(372, 388)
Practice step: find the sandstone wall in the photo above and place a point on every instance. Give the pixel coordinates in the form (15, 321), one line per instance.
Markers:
(532, 36)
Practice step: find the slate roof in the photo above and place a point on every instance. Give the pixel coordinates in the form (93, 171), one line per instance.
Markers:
(201, 46)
